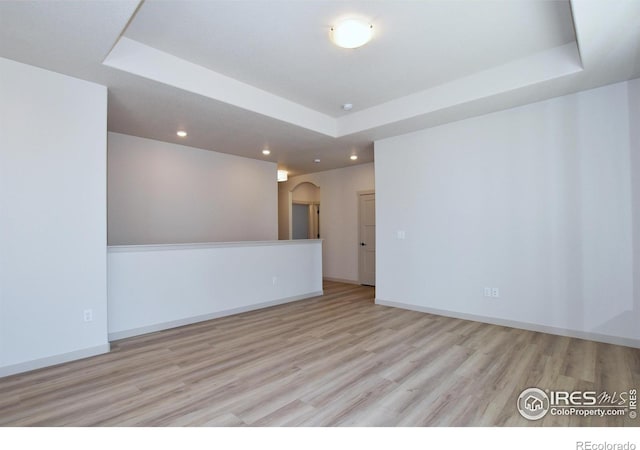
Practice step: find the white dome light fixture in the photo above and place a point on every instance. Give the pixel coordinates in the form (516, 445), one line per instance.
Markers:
(351, 33)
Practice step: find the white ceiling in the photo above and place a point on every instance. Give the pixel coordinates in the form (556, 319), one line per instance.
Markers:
(284, 47)
(243, 75)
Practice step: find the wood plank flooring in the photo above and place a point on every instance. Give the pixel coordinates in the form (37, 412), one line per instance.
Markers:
(335, 360)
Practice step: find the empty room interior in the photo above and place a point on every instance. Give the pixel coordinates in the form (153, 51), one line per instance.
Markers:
(313, 213)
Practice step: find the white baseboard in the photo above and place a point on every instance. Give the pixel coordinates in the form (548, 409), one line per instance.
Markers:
(340, 280)
(195, 319)
(617, 340)
(53, 360)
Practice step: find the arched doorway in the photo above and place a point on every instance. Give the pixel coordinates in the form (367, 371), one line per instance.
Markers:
(305, 212)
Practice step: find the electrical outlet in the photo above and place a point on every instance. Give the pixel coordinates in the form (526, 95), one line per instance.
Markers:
(88, 315)
(274, 280)
(492, 292)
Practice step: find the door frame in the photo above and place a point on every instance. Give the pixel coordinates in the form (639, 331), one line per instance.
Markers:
(358, 195)
(306, 203)
(290, 205)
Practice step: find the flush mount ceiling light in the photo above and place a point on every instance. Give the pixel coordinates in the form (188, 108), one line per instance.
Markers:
(353, 157)
(266, 152)
(182, 133)
(283, 175)
(351, 33)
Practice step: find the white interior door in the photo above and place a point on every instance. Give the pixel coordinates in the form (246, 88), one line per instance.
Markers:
(367, 244)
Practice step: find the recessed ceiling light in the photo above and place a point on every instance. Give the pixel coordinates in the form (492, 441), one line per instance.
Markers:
(351, 33)
(353, 157)
(317, 160)
(266, 151)
(347, 106)
(182, 133)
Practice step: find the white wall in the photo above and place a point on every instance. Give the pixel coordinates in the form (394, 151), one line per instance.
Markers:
(338, 215)
(157, 287)
(166, 193)
(306, 193)
(535, 200)
(52, 217)
(634, 134)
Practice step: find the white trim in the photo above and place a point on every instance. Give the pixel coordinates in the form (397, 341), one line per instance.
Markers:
(341, 280)
(205, 245)
(616, 340)
(54, 360)
(303, 202)
(202, 318)
(301, 183)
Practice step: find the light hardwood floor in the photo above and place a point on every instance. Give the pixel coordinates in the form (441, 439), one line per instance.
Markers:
(334, 360)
